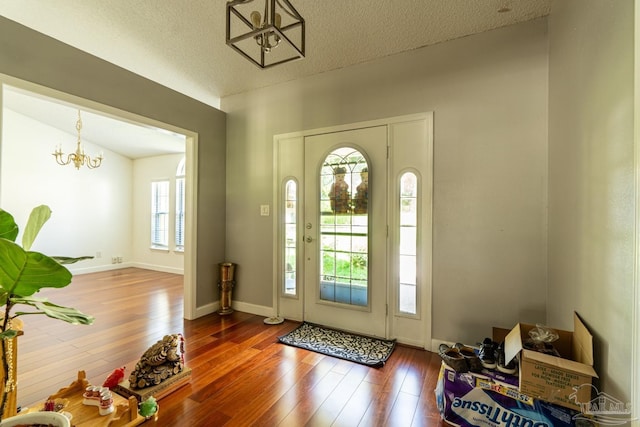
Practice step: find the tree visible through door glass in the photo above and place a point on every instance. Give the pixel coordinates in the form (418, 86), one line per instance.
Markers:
(344, 227)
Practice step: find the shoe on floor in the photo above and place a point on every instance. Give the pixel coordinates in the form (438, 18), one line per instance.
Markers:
(473, 362)
(506, 368)
(487, 354)
(452, 357)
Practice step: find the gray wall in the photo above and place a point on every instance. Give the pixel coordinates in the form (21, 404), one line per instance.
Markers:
(591, 178)
(31, 56)
(489, 95)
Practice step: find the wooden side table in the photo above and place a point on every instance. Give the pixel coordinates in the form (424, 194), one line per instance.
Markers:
(125, 412)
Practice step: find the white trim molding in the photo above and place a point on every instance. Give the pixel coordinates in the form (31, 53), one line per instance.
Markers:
(635, 327)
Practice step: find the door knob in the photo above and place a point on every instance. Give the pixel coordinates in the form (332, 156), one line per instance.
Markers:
(309, 239)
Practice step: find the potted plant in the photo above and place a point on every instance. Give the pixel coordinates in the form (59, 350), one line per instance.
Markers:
(23, 273)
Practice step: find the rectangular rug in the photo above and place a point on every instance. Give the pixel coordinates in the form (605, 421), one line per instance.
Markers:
(368, 351)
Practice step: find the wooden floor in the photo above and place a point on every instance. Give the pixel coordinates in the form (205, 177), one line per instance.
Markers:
(241, 375)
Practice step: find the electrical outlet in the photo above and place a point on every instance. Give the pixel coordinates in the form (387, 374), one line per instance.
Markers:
(114, 260)
(98, 254)
(119, 260)
(264, 210)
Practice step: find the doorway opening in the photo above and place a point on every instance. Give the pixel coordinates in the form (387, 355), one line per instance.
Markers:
(360, 263)
(35, 120)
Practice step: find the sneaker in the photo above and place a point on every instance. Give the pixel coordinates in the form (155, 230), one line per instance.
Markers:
(452, 357)
(487, 354)
(470, 356)
(506, 368)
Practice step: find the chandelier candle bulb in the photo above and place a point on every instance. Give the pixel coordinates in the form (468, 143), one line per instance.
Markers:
(256, 19)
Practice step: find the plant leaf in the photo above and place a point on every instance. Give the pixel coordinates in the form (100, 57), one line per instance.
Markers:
(9, 333)
(39, 215)
(25, 273)
(8, 226)
(70, 260)
(67, 314)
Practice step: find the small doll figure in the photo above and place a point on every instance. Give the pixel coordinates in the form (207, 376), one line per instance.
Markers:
(339, 192)
(361, 199)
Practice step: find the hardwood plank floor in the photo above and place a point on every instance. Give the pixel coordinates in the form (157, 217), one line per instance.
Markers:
(241, 375)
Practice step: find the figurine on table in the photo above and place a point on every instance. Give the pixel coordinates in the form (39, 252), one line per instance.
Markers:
(361, 200)
(339, 192)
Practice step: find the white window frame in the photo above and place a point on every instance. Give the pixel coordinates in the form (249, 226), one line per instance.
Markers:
(417, 256)
(288, 222)
(159, 236)
(180, 214)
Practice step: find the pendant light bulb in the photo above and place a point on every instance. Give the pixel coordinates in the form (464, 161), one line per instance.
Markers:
(256, 19)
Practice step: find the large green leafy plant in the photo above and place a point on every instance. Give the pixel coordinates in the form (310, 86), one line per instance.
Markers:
(22, 274)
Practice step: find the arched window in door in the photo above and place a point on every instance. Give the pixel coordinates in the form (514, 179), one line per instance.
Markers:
(344, 227)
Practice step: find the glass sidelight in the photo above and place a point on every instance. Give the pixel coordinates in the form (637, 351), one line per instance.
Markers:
(290, 240)
(408, 233)
(344, 228)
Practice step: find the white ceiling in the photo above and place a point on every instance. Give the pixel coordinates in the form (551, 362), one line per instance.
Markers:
(181, 44)
(125, 138)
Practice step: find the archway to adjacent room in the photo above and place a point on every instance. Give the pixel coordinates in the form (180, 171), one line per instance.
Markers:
(189, 144)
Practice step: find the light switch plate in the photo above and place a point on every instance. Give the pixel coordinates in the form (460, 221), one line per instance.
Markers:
(264, 210)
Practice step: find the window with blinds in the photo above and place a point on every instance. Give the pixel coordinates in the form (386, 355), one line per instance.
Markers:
(160, 214)
(180, 204)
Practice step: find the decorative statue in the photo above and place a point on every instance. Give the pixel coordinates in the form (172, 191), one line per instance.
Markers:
(361, 200)
(339, 192)
(162, 360)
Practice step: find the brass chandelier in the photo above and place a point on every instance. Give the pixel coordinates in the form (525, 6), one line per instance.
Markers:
(272, 35)
(78, 158)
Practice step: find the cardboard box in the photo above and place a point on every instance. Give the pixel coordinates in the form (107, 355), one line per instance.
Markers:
(490, 399)
(551, 378)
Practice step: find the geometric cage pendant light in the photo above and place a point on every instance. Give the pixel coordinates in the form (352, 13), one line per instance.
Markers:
(266, 32)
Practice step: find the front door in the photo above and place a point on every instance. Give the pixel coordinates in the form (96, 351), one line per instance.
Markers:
(345, 230)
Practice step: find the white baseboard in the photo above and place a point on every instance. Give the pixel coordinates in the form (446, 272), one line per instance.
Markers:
(97, 268)
(154, 267)
(258, 310)
(207, 309)
(410, 342)
(108, 267)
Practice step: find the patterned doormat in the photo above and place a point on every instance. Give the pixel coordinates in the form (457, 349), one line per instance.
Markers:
(368, 351)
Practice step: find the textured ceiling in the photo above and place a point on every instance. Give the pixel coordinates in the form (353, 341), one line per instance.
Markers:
(181, 43)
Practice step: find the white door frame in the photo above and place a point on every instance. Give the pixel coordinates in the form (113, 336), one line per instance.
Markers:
(635, 327)
(288, 161)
